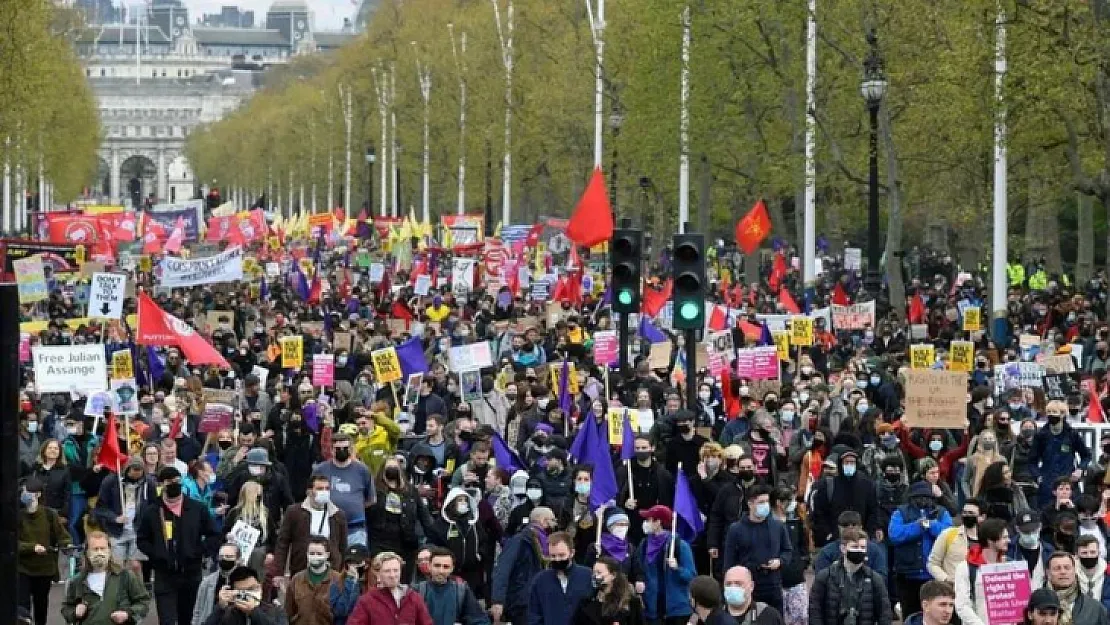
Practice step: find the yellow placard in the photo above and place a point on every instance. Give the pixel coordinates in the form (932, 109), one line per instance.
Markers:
(801, 331)
(961, 356)
(122, 366)
(973, 319)
(292, 352)
(387, 366)
(615, 417)
(274, 242)
(782, 344)
(556, 369)
(34, 327)
(146, 265)
(922, 356)
(80, 254)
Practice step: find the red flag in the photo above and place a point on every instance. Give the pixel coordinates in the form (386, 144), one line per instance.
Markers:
(753, 228)
(1094, 409)
(158, 327)
(788, 302)
(592, 221)
(399, 311)
(917, 309)
(778, 271)
(153, 234)
(718, 320)
(751, 331)
(534, 235)
(110, 455)
(177, 237)
(653, 301)
(732, 401)
(839, 297)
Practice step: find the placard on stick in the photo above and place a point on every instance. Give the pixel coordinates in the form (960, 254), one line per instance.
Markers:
(935, 399)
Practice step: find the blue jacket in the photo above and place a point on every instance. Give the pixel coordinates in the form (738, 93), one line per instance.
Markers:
(1053, 455)
(751, 545)
(911, 542)
(515, 568)
(876, 557)
(658, 577)
(549, 605)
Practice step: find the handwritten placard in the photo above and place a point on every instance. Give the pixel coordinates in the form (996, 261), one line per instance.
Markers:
(935, 399)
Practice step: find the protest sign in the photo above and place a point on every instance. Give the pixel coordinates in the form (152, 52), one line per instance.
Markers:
(758, 363)
(1005, 591)
(65, 368)
(24, 347)
(377, 272)
(262, 373)
(922, 356)
(1013, 375)
(660, 355)
(412, 388)
(854, 317)
(423, 284)
(801, 331)
(100, 403)
(470, 385)
(30, 279)
(935, 399)
(716, 364)
(615, 418)
(473, 356)
(126, 396)
(222, 320)
(721, 342)
(323, 370)
(1060, 363)
(853, 258)
(224, 267)
(227, 397)
(341, 341)
(215, 417)
(961, 356)
(973, 319)
(106, 295)
(122, 366)
(556, 369)
(246, 537)
(782, 344)
(605, 347)
(462, 275)
(1057, 386)
(387, 366)
(292, 352)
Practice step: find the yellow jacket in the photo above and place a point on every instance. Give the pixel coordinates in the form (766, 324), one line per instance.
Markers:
(437, 314)
(373, 448)
(1038, 281)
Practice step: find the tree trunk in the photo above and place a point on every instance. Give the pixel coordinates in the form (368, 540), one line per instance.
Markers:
(1085, 257)
(893, 264)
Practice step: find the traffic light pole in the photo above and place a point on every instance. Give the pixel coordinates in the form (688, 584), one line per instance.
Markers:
(622, 341)
(691, 344)
(9, 447)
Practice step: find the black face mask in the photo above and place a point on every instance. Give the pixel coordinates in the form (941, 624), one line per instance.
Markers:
(172, 490)
(227, 565)
(746, 474)
(1089, 562)
(856, 557)
(560, 565)
(465, 436)
(771, 405)
(893, 478)
(643, 456)
(685, 428)
(224, 445)
(392, 473)
(1054, 419)
(970, 520)
(343, 455)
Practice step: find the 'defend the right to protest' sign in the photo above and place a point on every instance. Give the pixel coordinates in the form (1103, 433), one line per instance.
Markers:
(935, 398)
(1005, 591)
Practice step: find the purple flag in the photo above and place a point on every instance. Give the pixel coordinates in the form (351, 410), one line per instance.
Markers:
(300, 282)
(411, 355)
(604, 486)
(264, 290)
(686, 507)
(765, 337)
(565, 402)
(650, 332)
(628, 440)
(581, 439)
(505, 457)
(157, 370)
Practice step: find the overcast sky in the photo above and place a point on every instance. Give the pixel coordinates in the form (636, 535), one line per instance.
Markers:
(328, 14)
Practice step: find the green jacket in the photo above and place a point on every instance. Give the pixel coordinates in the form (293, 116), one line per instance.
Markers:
(41, 527)
(123, 591)
(1038, 281)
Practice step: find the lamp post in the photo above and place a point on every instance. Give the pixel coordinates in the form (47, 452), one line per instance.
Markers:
(370, 158)
(873, 88)
(616, 120)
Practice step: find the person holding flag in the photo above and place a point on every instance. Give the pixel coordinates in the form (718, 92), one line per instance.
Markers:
(760, 543)
(663, 569)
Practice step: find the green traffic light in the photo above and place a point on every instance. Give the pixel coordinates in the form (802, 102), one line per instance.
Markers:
(625, 297)
(689, 310)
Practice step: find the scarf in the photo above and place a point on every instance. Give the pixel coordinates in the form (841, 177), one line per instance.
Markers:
(655, 544)
(617, 548)
(540, 541)
(1067, 601)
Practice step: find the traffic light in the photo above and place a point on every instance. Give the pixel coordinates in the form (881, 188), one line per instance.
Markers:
(625, 252)
(689, 282)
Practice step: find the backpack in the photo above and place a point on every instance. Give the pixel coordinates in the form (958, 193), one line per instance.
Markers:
(423, 589)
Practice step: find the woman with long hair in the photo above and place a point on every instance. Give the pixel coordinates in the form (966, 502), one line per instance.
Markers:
(152, 458)
(614, 600)
(393, 518)
(251, 510)
(50, 469)
(1001, 496)
(985, 454)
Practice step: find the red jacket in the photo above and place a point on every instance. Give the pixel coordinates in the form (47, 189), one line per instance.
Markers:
(377, 607)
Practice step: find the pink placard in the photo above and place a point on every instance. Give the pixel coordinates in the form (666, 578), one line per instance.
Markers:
(605, 347)
(716, 364)
(24, 347)
(323, 370)
(216, 417)
(1005, 590)
(758, 363)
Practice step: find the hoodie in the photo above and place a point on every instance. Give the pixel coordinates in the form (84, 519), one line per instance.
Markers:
(462, 534)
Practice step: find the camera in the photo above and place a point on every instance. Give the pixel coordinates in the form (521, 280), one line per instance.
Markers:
(244, 595)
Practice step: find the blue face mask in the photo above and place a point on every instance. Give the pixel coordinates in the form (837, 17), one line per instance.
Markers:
(735, 595)
(936, 445)
(763, 510)
(582, 488)
(26, 498)
(849, 470)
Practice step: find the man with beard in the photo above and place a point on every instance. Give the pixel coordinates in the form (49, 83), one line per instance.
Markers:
(846, 491)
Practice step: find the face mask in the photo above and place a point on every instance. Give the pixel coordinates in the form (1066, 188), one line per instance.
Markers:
(543, 402)
(582, 488)
(227, 565)
(1014, 406)
(71, 430)
(889, 442)
(704, 396)
(849, 470)
(1089, 562)
(856, 557)
(745, 390)
(1029, 541)
(763, 510)
(343, 455)
(224, 445)
(861, 384)
(462, 507)
(648, 528)
(803, 397)
(321, 497)
(172, 490)
(987, 445)
(32, 427)
(643, 456)
(712, 464)
(970, 520)
(936, 445)
(393, 473)
(341, 361)
(535, 494)
(560, 565)
(861, 407)
(620, 531)
(256, 470)
(791, 507)
(1054, 419)
(317, 563)
(1028, 434)
(875, 380)
(788, 416)
(27, 499)
(893, 478)
(99, 560)
(746, 474)
(735, 595)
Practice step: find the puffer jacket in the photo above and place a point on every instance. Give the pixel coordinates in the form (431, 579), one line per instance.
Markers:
(826, 596)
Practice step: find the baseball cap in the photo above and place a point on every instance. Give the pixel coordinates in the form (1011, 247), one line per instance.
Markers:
(1043, 598)
(1027, 521)
(657, 513)
(258, 456)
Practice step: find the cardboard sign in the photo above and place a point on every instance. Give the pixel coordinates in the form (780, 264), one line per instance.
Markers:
(106, 294)
(605, 347)
(30, 278)
(323, 370)
(387, 367)
(554, 312)
(922, 356)
(935, 399)
(423, 284)
(660, 355)
(1060, 363)
(223, 320)
(782, 344)
(758, 363)
(246, 537)
(919, 331)
(292, 352)
(721, 342)
(556, 369)
(342, 340)
(65, 368)
(122, 366)
(801, 331)
(615, 419)
(973, 319)
(854, 317)
(473, 356)
(1005, 591)
(961, 356)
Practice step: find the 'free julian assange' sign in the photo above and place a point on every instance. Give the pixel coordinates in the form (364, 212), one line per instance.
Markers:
(65, 368)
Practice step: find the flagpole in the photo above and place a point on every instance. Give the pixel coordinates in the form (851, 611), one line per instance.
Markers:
(809, 252)
(674, 522)
(684, 128)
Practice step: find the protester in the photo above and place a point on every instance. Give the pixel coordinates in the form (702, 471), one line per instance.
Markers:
(321, 595)
(240, 603)
(227, 558)
(556, 593)
(741, 604)
(705, 600)
(41, 537)
(449, 599)
(760, 543)
(521, 560)
(103, 592)
(849, 591)
(315, 516)
(391, 601)
(938, 601)
(663, 568)
(1075, 605)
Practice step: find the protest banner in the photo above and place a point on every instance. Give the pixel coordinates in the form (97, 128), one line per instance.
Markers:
(323, 370)
(30, 279)
(65, 368)
(605, 347)
(782, 344)
(224, 267)
(122, 366)
(778, 323)
(1006, 591)
(854, 317)
(758, 363)
(1013, 375)
(215, 417)
(973, 319)
(961, 356)
(935, 399)
(473, 356)
(58, 257)
(246, 537)
(801, 331)
(922, 356)
(191, 214)
(387, 366)
(292, 352)
(106, 294)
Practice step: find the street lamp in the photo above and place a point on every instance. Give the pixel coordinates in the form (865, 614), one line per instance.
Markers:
(873, 88)
(370, 158)
(616, 120)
